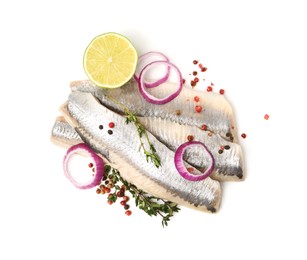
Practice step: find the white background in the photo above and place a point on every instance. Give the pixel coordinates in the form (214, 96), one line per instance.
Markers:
(255, 50)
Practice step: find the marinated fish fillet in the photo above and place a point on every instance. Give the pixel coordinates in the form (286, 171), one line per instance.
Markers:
(85, 113)
(228, 165)
(216, 112)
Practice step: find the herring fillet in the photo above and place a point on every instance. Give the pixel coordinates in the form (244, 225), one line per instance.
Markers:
(85, 114)
(217, 113)
(228, 165)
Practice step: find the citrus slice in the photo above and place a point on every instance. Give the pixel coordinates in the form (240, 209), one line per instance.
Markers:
(110, 60)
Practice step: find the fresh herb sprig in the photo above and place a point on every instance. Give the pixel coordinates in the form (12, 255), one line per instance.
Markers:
(152, 205)
(131, 117)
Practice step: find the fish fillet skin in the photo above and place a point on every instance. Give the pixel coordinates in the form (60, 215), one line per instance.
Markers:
(85, 113)
(228, 165)
(216, 112)
(63, 134)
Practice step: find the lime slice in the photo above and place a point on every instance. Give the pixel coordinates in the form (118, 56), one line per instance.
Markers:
(110, 60)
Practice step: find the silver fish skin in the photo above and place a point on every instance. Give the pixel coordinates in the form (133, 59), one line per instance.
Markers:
(84, 112)
(217, 113)
(63, 134)
(228, 164)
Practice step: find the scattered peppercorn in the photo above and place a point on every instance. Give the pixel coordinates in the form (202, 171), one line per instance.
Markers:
(195, 62)
(200, 65)
(110, 132)
(190, 169)
(243, 135)
(190, 138)
(209, 88)
(203, 127)
(110, 202)
(203, 69)
(220, 151)
(125, 198)
(222, 147)
(93, 169)
(194, 73)
(98, 191)
(128, 212)
(178, 112)
(198, 109)
(266, 116)
(193, 83)
(227, 147)
(123, 203)
(111, 124)
(90, 165)
(126, 206)
(222, 91)
(183, 81)
(228, 134)
(100, 127)
(196, 98)
(196, 79)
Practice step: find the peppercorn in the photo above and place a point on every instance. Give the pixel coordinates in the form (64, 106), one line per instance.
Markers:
(194, 73)
(123, 203)
(100, 127)
(220, 151)
(178, 112)
(111, 124)
(203, 127)
(209, 88)
(196, 79)
(196, 98)
(98, 191)
(227, 147)
(193, 83)
(190, 138)
(90, 165)
(222, 91)
(126, 206)
(125, 198)
(243, 135)
(110, 132)
(203, 69)
(195, 62)
(198, 109)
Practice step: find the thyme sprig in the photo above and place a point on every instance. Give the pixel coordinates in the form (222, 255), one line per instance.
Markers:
(151, 205)
(131, 117)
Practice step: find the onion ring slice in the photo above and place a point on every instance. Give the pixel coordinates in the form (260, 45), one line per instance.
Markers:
(179, 163)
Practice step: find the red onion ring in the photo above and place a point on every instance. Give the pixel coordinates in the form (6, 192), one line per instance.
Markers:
(159, 81)
(98, 164)
(150, 98)
(182, 170)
